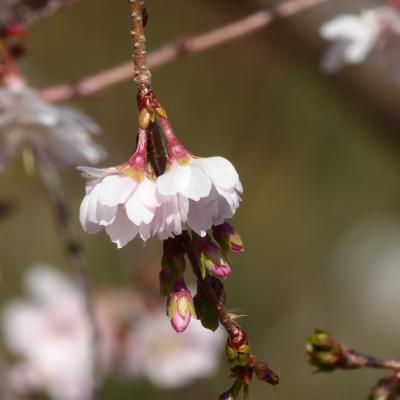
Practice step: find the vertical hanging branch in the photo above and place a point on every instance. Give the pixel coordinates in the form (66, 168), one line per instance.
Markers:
(138, 18)
(209, 303)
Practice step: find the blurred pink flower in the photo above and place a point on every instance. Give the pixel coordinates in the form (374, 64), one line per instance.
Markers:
(154, 351)
(354, 37)
(53, 337)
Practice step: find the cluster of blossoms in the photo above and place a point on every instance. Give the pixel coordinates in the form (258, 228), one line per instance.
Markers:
(129, 199)
(52, 324)
(356, 36)
(192, 194)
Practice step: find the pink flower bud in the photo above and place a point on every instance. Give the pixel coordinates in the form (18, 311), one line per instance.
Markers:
(211, 258)
(228, 238)
(180, 307)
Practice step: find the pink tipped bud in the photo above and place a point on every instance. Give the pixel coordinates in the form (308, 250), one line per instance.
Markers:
(228, 238)
(180, 307)
(211, 258)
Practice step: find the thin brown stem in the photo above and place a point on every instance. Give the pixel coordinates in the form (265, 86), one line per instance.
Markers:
(94, 84)
(237, 336)
(142, 73)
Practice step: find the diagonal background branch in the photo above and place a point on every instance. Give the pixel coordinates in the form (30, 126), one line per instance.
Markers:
(98, 82)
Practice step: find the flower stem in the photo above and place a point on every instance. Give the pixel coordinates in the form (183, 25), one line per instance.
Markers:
(142, 73)
(237, 336)
(74, 250)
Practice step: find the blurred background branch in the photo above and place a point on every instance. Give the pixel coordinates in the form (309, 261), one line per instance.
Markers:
(327, 354)
(96, 83)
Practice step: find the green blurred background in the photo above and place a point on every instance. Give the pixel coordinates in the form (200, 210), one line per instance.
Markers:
(319, 158)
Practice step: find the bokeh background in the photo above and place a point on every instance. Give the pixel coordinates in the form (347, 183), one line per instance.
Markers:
(319, 157)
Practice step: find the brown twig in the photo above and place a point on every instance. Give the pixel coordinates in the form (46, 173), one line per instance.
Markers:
(168, 53)
(327, 354)
(141, 70)
(237, 336)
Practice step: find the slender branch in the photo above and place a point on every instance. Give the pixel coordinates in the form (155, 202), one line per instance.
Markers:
(327, 354)
(237, 336)
(168, 53)
(142, 73)
(75, 251)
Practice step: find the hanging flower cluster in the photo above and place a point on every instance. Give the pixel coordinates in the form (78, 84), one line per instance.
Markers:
(355, 37)
(187, 194)
(129, 200)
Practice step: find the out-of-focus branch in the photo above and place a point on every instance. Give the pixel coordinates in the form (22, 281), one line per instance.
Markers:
(96, 83)
(328, 355)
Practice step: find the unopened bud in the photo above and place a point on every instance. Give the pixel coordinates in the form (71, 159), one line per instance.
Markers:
(173, 265)
(212, 260)
(180, 307)
(323, 352)
(228, 238)
(237, 356)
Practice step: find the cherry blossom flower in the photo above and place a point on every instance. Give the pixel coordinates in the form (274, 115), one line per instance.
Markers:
(354, 37)
(52, 335)
(126, 202)
(168, 360)
(60, 136)
(208, 187)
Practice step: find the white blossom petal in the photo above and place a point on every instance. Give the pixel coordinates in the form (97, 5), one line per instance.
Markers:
(122, 230)
(116, 189)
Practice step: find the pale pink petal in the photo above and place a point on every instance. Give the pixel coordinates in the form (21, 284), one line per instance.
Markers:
(121, 231)
(115, 189)
(137, 212)
(173, 181)
(87, 226)
(221, 171)
(147, 191)
(94, 173)
(198, 186)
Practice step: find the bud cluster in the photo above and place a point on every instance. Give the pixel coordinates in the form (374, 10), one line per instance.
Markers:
(180, 307)
(323, 351)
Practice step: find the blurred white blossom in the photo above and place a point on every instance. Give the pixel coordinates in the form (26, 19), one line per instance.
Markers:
(52, 335)
(57, 135)
(354, 37)
(154, 351)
